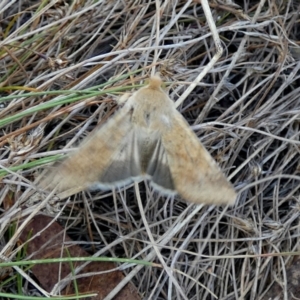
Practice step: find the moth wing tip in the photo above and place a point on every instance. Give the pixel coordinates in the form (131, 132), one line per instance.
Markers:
(225, 195)
(231, 197)
(209, 193)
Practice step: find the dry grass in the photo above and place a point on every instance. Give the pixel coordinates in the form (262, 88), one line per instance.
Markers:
(62, 68)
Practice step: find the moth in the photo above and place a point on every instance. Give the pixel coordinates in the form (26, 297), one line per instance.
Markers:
(146, 139)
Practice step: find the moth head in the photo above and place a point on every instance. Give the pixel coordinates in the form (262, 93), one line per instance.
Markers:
(155, 82)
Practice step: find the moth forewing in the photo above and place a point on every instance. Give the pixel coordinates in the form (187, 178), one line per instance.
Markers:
(197, 177)
(147, 138)
(92, 159)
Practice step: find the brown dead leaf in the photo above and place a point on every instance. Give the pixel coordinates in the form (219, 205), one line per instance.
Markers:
(49, 245)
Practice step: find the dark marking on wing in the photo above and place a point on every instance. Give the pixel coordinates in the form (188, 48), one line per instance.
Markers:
(158, 168)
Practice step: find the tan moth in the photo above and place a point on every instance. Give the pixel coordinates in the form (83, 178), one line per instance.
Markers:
(146, 139)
